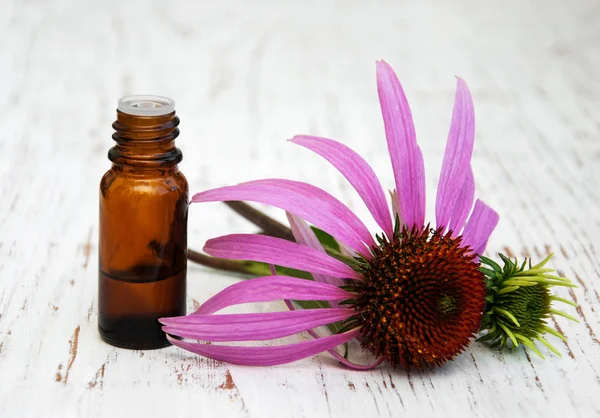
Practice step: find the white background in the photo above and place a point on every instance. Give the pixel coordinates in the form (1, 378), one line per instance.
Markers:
(246, 76)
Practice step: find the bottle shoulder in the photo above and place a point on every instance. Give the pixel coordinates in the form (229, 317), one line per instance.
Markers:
(147, 182)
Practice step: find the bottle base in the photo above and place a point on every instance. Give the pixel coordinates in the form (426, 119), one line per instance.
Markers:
(134, 346)
(133, 333)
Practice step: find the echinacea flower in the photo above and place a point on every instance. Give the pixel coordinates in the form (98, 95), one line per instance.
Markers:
(412, 295)
(519, 302)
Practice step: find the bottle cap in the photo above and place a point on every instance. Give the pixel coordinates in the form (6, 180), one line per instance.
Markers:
(142, 105)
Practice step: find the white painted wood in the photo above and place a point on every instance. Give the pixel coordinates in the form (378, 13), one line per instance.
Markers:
(246, 77)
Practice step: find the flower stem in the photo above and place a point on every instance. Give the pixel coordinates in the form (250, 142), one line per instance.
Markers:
(245, 267)
(269, 225)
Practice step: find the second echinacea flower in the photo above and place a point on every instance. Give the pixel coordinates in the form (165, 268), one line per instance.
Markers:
(412, 295)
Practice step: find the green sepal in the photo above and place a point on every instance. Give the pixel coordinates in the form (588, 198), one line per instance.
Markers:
(529, 344)
(518, 303)
(491, 263)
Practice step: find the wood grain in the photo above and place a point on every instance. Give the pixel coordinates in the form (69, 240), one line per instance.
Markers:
(246, 77)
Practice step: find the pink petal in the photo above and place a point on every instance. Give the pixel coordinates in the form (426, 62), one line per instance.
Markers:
(479, 227)
(270, 288)
(357, 171)
(254, 326)
(332, 351)
(457, 160)
(269, 355)
(330, 203)
(304, 235)
(277, 251)
(308, 202)
(406, 156)
(396, 207)
(335, 354)
(464, 202)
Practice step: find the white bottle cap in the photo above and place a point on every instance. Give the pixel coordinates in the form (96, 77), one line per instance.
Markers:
(142, 105)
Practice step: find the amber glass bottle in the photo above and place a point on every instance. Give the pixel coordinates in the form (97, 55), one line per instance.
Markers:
(143, 226)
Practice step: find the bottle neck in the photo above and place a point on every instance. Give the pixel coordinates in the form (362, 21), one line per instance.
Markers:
(145, 141)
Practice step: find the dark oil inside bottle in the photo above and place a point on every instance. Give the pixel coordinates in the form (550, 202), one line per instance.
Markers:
(146, 300)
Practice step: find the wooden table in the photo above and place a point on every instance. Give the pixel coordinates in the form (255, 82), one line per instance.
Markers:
(246, 78)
